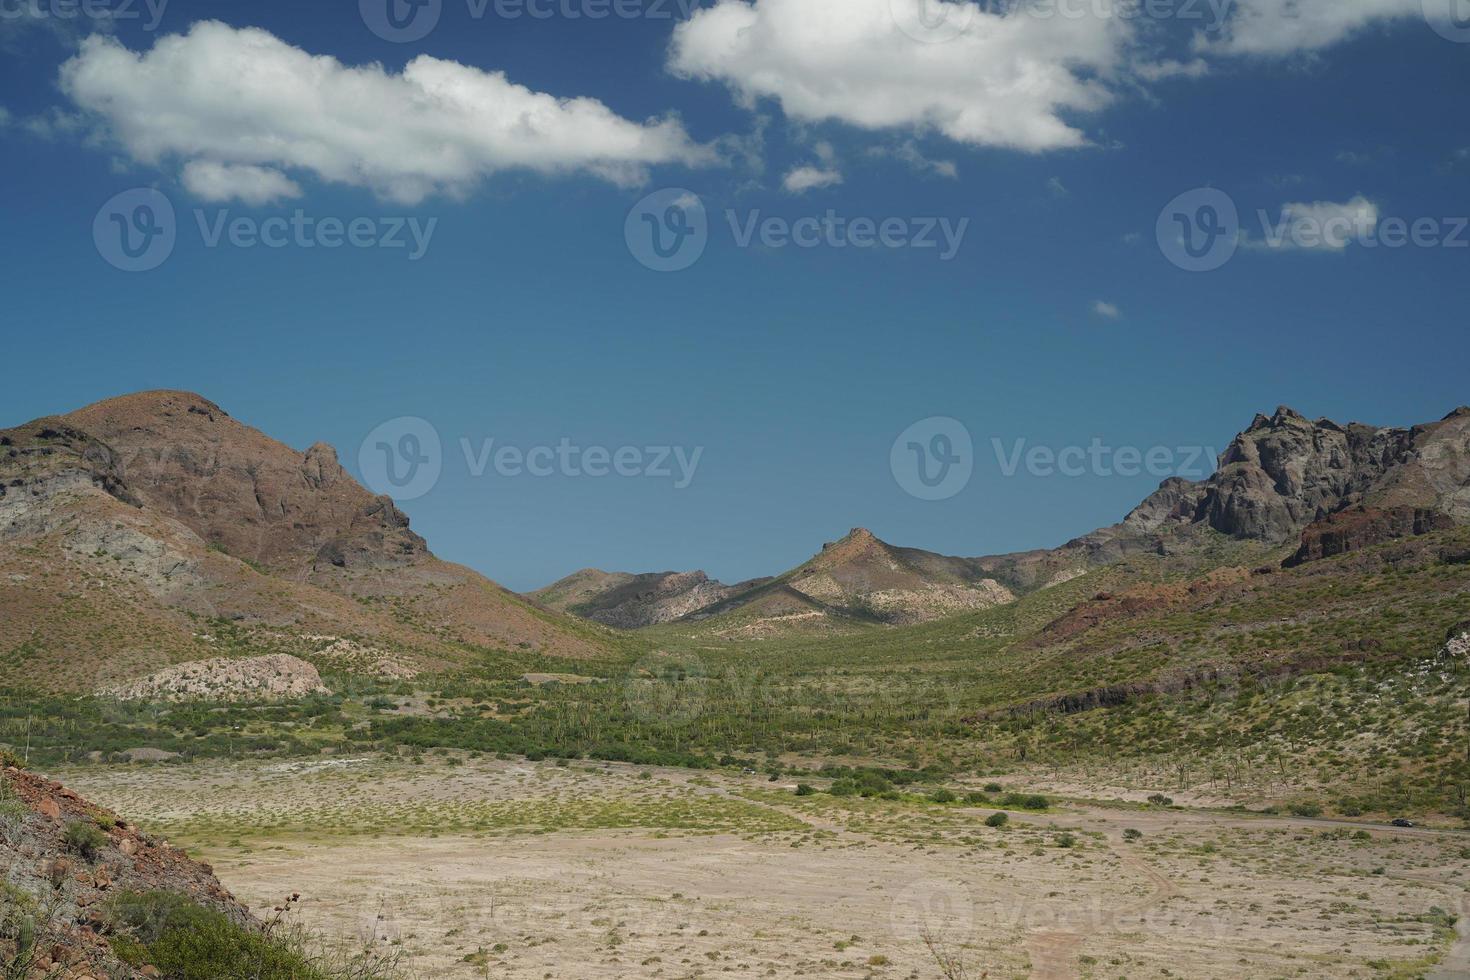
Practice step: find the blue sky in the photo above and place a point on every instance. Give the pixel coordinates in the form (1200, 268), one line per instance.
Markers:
(528, 319)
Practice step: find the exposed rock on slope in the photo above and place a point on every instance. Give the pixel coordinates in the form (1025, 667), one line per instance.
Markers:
(899, 585)
(61, 888)
(275, 678)
(1361, 527)
(1281, 476)
(125, 519)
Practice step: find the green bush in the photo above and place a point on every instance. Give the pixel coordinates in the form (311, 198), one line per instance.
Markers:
(1132, 835)
(188, 942)
(802, 789)
(85, 838)
(1066, 840)
(943, 796)
(1025, 801)
(997, 819)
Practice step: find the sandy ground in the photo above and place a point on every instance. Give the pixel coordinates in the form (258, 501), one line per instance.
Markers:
(513, 869)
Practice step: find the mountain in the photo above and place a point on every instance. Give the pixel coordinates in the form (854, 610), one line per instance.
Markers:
(632, 601)
(1288, 488)
(126, 525)
(857, 580)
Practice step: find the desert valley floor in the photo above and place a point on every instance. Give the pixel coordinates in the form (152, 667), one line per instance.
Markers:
(487, 867)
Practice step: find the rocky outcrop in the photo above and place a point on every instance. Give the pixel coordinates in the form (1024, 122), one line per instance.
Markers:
(1285, 473)
(245, 493)
(280, 677)
(59, 880)
(1361, 527)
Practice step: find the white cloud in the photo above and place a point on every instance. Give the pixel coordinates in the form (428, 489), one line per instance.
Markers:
(242, 98)
(1057, 188)
(1009, 80)
(803, 179)
(1283, 27)
(210, 181)
(1321, 226)
(4, 117)
(1106, 310)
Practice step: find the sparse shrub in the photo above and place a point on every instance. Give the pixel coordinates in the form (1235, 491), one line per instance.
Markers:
(994, 788)
(1306, 810)
(84, 838)
(997, 819)
(1066, 840)
(802, 789)
(1130, 834)
(943, 796)
(1159, 799)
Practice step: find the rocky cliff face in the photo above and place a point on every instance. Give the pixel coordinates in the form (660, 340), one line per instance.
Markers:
(1287, 473)
(297, 513)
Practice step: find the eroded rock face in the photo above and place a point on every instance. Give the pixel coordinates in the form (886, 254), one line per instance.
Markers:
(274, 678)
(1362, 527)
(1287, 472)
(244, 492)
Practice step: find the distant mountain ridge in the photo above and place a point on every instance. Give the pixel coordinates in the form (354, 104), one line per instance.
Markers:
(1318, 486)
(858, 576)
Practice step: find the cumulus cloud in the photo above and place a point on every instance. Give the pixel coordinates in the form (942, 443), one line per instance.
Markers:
(241, 109)
(1283, 27)
(1106, 310)
(803, 179)
(1010, 80)
(1321, 226)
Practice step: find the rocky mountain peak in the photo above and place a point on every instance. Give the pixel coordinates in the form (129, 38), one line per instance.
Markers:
(246, 493)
